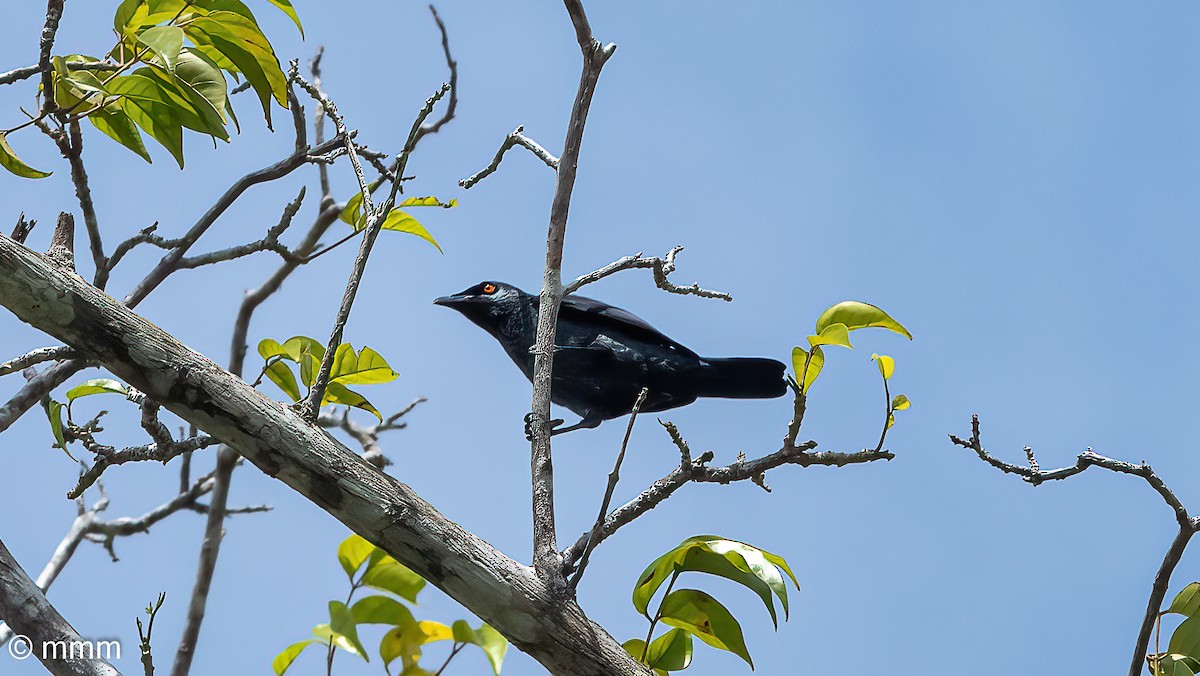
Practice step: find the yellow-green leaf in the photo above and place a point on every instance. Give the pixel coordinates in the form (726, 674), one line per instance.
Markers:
(900, 402)
(165, 41)
(352, 552)
(887, 365)
(810, 364)
(834, 334)
(707, 620)
(97, 386)
(381, 610)
(388, 574)
(426, 202)
(337, 393)
(1187, 601)
(494, 646)
(856, 315)
(341, 623)
(670, 652)
(54, 413)
(286, 7)
(289, 654)
(399, 221)
(364, 368)
(281, 374)
(10, 161)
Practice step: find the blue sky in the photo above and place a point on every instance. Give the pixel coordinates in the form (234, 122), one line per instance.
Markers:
(1015, 182)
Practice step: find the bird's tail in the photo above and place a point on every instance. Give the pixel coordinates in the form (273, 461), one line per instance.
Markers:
(742, 378)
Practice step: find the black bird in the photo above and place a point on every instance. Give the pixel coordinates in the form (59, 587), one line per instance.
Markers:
(606, 355)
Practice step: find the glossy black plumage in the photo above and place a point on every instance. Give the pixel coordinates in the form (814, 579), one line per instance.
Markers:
(606, 355)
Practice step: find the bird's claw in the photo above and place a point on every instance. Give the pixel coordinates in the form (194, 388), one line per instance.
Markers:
(529, 417)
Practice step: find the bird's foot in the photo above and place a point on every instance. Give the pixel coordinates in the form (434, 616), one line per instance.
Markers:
(529, 426)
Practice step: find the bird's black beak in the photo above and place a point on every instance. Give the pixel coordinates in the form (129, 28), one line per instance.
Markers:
(451, 301)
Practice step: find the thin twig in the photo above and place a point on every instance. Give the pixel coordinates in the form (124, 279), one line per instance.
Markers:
(452, 102)
(516, 137)
(147, 656)
(662, 267)
(309, 406)
(1188, 526)
(613, 477)
(268, 243)
(42, 354)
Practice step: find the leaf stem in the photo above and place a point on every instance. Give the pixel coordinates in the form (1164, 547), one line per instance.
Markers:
(658, 615)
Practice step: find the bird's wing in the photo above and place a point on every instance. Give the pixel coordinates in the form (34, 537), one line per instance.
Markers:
(603, 313)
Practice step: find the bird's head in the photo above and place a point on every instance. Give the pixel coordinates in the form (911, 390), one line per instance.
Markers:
(486, 303)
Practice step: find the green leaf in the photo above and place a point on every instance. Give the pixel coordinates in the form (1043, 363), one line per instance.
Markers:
(284, 659)
(900, 402)
(352, 552)
(1186, 638)
(287, 8)
(203, 78)
(240, 40)
(310, 365)
(10, 161)
(749, 566)
(424, 202)
(494, 646)
(281, 374)
(144, 102)
(834, 334)
(390, 575)
(341, 624)
(54, 411)
(1170, 664)
(165, 41)
(856, 315)
(1187, 601)
(887, 365)
(97, 386)
(635, 647)
(364, 368)
(381, 610)
(809, 366)
(670, 652)
(463, 633)
(193, 110)
(297, 346)
(337, 393)
(117, 125)
(707, 620)
(124, 14)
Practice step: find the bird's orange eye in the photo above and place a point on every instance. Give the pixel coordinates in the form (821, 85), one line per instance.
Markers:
(489, 288)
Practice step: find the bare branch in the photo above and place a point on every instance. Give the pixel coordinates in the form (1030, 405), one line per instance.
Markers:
(514, 138)
(54, 11)
(1188, 526)
(547, 561)
(22, 229)
(170, 263)
(107, 456)
(268, 243)
(35, 357)
(698, 471)
(662, 268)
(37, 388)
(26, 72)
(613, 477)
(452, 103)
(374, 223)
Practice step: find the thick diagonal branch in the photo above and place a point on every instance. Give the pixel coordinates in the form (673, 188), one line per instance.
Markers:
(504, 593)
